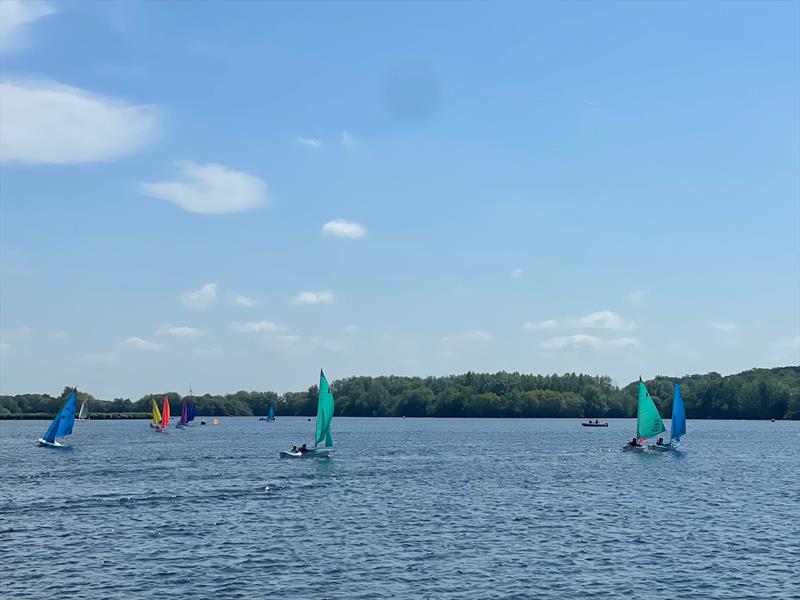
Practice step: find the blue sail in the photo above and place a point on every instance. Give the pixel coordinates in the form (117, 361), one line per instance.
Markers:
(65, 419)
(192, 412)
(678, 426)
(271, 413)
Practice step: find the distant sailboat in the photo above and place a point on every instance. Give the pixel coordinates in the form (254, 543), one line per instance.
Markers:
(83, 413)
(62, 423)
(323, 429)
(165, 414)
(184, 415)
(270, 414)
(677, 426)
(648, 421)
(156, 422)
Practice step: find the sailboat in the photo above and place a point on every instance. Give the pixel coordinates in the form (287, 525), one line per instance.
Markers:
(323, 428)
(164, 415)
(156, 422)
(648, 421)
(62, 423)
(677, 426)
(184, 415)
(270, 414)
(83, 413)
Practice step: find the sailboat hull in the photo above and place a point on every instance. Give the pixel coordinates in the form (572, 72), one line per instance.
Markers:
(318, 453)
(660, 448)
(45, 444)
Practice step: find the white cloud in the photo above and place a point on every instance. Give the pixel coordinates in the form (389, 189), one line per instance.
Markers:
(583, 340)
(541, 325)
(325, 297)
(604, 319)
(722, 326)
(517, 273)
(44, 122)
(257, 327)
(244, 301)
(182, 331)
(309, 142)
(637, 296)
(210, 189)
(341, 228)
(138, 343)
(202, 298)
(794, 343)
(347, 139)
(15, 16)
(352, 328)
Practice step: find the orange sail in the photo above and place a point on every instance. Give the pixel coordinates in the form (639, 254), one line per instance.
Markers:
(165, 413)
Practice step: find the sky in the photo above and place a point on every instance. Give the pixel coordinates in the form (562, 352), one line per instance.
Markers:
(234, 195)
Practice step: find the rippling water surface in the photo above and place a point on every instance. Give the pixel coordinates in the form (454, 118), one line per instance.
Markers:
(408, 508)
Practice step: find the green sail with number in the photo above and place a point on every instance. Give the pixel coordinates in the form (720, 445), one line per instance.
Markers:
(324, 413)
(648, 422)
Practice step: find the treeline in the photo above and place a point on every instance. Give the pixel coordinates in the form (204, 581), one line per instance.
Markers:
(754, 394)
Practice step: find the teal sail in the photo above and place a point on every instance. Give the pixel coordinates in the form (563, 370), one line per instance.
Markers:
(324, 413)
(65, 419)
(677, 427)
(271, 413)
(648, 421)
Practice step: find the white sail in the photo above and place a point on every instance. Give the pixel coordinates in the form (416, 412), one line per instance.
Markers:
(84, 411)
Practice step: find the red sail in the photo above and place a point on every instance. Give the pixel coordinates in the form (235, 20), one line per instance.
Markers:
(165, 413)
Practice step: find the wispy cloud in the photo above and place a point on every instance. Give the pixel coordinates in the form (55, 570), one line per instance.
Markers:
(182, 331)
(582, 340)
(517, 273)
(540, 325)
(637, 296)
(244, 301)
(452, 345)
(15, 17)
(603, 319)
(325, 297)
(347, 139)
(205, 297)
(5, 347)
(44, 122)
(344, 229)
(309, 142)
(211, 189)
(722, 326)
(257, 327)
(138, 343)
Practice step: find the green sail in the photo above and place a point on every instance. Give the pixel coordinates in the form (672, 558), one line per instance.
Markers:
(648, 422)
(324, 413)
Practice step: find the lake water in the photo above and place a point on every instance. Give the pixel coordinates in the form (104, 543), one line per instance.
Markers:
(408, 508)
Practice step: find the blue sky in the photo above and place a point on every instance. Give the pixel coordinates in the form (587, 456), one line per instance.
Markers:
(236, 194)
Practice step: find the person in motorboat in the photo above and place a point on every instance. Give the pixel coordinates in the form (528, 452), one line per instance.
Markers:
(634, 443)
(596, 421)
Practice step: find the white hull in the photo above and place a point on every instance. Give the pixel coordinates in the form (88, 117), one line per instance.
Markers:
(318, 453)
(46, 444)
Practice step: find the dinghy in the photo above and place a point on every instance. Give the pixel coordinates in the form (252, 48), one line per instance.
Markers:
(164, 415)
(648, 421)
(184, 415)
(596, 424)
(156, 422)
(323, 429)
(62, 423)
(83, 413)
(270, 414)
(677, 426)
